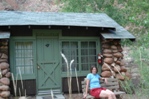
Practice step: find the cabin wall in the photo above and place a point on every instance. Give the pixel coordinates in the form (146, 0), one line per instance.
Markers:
(25, 31)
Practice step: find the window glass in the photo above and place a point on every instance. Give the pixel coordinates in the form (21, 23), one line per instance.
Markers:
(24, 57)
(84, 59)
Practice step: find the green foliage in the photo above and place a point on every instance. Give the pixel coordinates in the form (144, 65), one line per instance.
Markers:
(133, 14)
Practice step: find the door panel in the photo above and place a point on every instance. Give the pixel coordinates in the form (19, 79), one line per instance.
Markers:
(48, 69)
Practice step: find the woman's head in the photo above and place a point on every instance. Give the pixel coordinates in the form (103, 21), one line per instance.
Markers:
(93, 69)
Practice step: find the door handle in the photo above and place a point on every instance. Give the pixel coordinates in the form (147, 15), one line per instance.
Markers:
(38, 67)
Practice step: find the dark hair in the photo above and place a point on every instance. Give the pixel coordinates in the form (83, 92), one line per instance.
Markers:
(92, 69)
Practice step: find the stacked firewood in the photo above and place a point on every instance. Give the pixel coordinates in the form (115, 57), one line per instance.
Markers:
(113, 64)
(4, 70)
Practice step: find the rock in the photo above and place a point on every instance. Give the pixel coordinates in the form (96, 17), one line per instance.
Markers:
(4, 56)
(114, 51)
(106, 46)
(106, 74)
(4, 71)
(108, 55)
(105, 68)
(107, 51)
(4, 65)
(3, 60)
(117, 68)
(118, 62)
(113, 47)
(8, 75)
(4, 88)
(123, 69)
(5, 94)
(2, 98)
(118, 54)
(108, 60)
(5, 81)
(120, 77)
(119, 48)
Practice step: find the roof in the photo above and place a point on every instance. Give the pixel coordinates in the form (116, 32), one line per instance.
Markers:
(4, 35)
(11, 18)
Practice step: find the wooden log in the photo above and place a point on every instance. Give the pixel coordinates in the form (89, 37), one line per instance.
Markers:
(4, 65)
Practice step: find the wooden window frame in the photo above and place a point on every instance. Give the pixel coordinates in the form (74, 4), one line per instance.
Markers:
(80, 39)
(13, 40)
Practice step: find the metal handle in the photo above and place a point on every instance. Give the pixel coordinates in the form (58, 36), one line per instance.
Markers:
(38, 67)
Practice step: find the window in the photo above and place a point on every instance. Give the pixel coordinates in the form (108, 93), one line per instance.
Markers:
(83, 53)
(24, 57)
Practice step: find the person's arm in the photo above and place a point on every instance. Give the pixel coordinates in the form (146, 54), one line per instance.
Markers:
(87, 85)
(105, 80)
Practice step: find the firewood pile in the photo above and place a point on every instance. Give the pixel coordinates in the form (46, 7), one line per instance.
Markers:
(4, 72)
(113, 64)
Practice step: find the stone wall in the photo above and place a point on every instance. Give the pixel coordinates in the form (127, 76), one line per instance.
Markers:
(118, 58)
(4, 70)
(113, 60)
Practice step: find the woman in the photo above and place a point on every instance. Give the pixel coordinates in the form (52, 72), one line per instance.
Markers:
(93, 80)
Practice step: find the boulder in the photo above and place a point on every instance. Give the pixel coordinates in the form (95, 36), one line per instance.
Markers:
(117, 68)
(5, 94)
(108, 55)
(118, 54)
(105, 68)
(107, 51)
(5, 81)
(123, 69)
(4, 65)
(5, 71)
(108, 60)
(113, 47)
(105, 46)
(8, 75)
(106, 74)
(4, 56)
(4, 88)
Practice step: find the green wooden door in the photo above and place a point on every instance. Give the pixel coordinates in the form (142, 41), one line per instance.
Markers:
(48, 68)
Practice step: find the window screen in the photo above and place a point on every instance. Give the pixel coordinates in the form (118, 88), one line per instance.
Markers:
(24, 57)
(83, 53)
